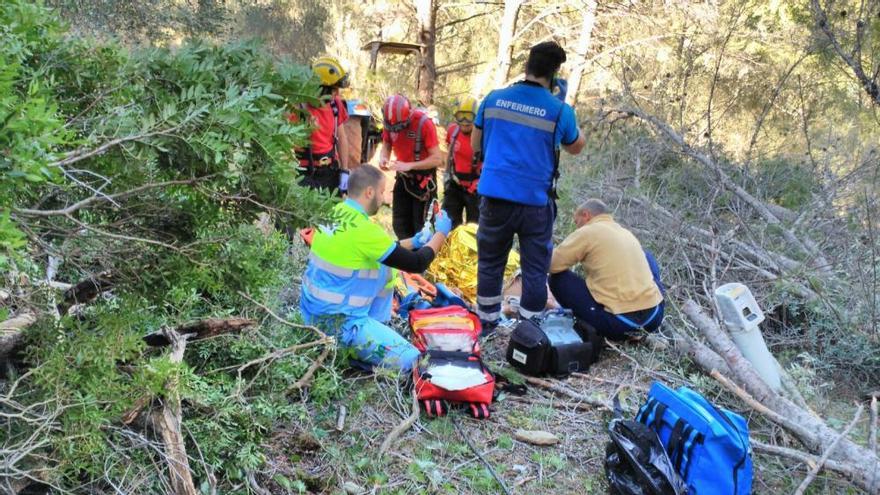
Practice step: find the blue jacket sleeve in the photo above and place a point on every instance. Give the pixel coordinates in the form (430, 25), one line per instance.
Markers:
(567, 131)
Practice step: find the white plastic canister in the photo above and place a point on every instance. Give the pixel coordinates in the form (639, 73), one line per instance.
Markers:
(741, 316)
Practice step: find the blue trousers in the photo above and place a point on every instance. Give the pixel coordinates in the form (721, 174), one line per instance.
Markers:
(572, 293)
(372, 341)
(499, 222)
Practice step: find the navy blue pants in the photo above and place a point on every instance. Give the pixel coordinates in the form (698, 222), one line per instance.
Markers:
(533, 225)
(572, 293)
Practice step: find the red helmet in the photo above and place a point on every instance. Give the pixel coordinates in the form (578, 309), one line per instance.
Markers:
(396, 113)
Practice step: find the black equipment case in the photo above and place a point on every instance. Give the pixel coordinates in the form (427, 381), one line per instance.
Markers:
(553, 344)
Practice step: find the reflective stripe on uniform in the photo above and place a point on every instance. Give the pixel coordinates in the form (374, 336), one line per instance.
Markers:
(526, 313)
(321, 294)
(330, 267)
(384, 293)
(490, 317)
(488, 301)
(359, 301)
(369, 274)
(518, 118)
(340, 270)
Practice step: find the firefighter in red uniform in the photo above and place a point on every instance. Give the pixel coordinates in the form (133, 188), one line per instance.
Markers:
(463, 167)
(320, 166)
(413, 138)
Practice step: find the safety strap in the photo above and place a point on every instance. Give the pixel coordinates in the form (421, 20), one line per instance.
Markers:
(417, 149)
(689, 451)
(682, 439)
(657, 420)
(434, 408)
(450, 160)
(552, 192)
(479, 410)
(335, 107)
(636, 326)
(334, 152)
(451, 169)
(675, 444)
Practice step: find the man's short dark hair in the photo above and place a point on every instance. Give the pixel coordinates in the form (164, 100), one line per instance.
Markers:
(363, 177)
(545, 59)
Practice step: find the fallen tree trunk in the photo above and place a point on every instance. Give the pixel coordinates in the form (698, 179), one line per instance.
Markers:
(12, 332)
(813, 432)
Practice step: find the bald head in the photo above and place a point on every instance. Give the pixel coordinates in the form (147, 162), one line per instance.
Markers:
(589, 209)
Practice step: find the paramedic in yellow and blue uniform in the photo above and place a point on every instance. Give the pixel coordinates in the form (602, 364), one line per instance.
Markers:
(347, 287)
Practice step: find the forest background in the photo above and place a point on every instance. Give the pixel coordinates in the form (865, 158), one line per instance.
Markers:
(140, 141)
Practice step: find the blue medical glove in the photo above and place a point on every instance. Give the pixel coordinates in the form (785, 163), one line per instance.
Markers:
(443, 223)
(343, 181)
(559, 88)
(423, 237)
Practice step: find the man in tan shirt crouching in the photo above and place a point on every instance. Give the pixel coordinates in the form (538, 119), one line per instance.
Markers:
(622, 293)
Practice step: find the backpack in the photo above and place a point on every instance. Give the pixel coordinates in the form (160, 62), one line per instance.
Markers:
(554, 344)
(450, 372)
(708, 446)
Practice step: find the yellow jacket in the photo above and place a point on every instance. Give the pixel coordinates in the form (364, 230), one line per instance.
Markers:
(617, 272)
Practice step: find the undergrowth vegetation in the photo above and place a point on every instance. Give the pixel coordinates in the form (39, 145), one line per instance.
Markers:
(150, 167)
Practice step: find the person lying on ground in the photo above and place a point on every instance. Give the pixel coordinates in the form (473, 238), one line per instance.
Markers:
(347, 288)
(622, 293)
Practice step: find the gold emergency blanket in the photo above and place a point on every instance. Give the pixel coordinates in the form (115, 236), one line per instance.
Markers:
(456, 265)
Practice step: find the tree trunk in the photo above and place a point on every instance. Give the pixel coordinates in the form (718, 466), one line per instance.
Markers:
(583, 46)
(505, 40)
(426, 12)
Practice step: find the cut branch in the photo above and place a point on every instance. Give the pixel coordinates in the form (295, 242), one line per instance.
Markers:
(79, 155)
(282, 320)
(559, 389)
(307, 377)
(797, 455)
(872, 436)
(811, 475)
(202, 329)
(403, 426)
(759, 206)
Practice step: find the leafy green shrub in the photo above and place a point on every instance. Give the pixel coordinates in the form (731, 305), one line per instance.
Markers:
(152, 165)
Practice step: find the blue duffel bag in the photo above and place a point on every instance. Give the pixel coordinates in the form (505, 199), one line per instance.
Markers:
(708, 446)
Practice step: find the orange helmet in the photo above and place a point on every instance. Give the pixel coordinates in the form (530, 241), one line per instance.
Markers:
(396, 113)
